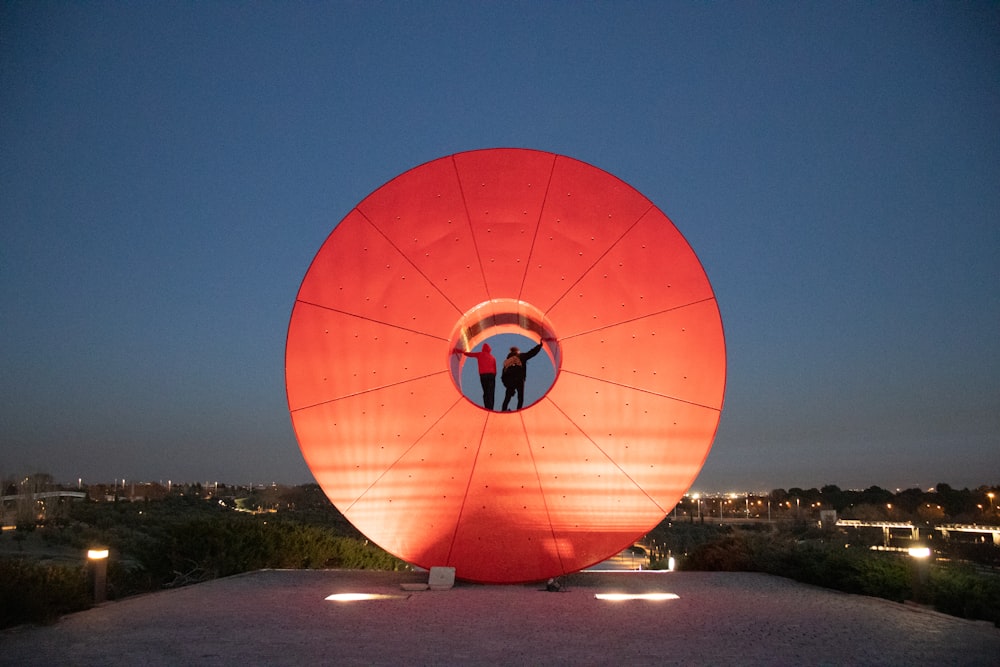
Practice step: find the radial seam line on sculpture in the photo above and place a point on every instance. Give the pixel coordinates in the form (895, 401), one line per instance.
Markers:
(368, 391)
(640, 389)
(541, 491)
(370, 319)
(408, 260)
(583, 274)
(607, 456)
(400, 457)
(538, 226)
(468, 485)
(472, 233)
(635, 319)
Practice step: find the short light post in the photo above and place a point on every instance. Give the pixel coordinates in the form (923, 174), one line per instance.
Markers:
(920, 557)
(98, 561)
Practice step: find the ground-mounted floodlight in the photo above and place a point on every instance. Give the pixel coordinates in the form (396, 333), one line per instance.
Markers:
(362, 597)
(624, 597)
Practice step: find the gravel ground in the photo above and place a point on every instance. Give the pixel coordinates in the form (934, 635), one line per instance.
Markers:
(283, 618)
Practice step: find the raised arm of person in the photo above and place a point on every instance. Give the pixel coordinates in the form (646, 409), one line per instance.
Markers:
(530, 353)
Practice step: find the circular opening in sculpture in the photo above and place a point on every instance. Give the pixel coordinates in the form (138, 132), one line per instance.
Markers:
(503, 324)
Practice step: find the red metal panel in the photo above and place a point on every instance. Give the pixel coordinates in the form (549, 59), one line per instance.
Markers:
(359, 271)
(351, 442)
(586, 212)
(659, 442)
(333, 355)
(504, 491)
(594, 505)
(415, 504)
(673, 353)
(649, 270)
(423, 213)
(505, 241)
(504, 192)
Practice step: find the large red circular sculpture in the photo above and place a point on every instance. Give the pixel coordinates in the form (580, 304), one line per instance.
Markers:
(449, 254)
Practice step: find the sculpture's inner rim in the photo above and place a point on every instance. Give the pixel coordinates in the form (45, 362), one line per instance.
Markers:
(502, 316)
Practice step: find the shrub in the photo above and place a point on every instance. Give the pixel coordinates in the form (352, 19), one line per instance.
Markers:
(173, 542)
(205, 548)
(729, 554)
(35, 593)
(848, 570)
(960, 590)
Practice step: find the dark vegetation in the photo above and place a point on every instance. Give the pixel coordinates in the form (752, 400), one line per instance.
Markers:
(32, 592)
(174, 541)
(163, 537)
(841, 560)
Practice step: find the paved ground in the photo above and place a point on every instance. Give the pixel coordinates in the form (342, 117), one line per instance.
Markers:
(283, 618)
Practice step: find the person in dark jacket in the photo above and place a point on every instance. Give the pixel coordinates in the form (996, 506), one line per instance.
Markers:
(515, 371)
(487, 373)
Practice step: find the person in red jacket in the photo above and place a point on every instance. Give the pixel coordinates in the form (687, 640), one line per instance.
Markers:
(487, 373)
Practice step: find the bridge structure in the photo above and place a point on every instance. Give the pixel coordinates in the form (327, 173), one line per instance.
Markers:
(948, 528)
(43, 495)
(20, 506)
(914, 530)
(886, 526)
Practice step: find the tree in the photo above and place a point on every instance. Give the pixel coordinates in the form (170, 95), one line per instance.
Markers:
(834, 497)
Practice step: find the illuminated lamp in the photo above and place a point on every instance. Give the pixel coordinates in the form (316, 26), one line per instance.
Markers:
(624, 597)
(98, 566)
(362, 597)
(449, 254)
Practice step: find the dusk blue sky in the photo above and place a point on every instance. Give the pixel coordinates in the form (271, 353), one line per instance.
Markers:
(168, 170)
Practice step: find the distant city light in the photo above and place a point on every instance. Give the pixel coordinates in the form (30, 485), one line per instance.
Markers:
(919, 552)
(97, 554)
